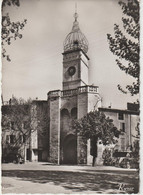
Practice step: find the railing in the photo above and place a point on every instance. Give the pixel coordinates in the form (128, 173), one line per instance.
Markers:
(71, 92)
(83, 89)
(56, 93)
(88, 88)
(93, 89)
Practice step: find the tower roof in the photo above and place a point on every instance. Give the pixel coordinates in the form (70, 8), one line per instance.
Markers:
(76, 39)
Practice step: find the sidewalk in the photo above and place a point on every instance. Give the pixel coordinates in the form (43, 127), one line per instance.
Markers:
(44, 178)
(13, 185)
(49, 166)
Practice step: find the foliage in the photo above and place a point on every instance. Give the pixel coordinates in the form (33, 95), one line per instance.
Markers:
(136, 144)
(10, 30)
(22, 120)
(15, 117)
(107, 157)
(128, 162)
(96, 124)
(10, 2)
(125, 45)
(135, 150)
(138, 131)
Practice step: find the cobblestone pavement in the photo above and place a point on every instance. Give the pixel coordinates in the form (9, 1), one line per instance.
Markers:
(46, 178)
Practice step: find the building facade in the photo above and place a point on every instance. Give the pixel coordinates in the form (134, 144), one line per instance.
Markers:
(52, 137)
(126, 121)
(75, 100)
(25, 130)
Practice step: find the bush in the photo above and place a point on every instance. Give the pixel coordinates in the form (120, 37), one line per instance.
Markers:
(107, 158)
(124, 162)
(127, 162)
(116, 161)
(134, 163)
(131, 160)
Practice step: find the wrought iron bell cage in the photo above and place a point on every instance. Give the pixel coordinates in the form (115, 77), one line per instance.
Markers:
(75, 39)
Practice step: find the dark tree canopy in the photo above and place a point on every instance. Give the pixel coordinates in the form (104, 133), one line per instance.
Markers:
(10, 2)
(96, 124)
(10, 30)
(125, 45)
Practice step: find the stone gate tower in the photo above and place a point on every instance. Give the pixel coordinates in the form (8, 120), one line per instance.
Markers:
(75, 100)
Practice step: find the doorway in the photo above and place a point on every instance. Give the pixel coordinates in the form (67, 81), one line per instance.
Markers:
(28, 154)
(70, 150)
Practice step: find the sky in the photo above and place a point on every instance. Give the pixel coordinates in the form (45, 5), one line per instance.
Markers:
(36, 59)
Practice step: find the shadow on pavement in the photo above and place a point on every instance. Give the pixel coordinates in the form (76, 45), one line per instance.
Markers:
(89, 180)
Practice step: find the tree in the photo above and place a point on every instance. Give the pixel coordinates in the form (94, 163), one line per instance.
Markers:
(95, 125)
(125, 45)
(16, 123)
(136, 144)
(21, 122)
(10, 30)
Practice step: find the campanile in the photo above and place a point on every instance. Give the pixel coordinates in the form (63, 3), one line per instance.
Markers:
(75, 59)
(75, 100)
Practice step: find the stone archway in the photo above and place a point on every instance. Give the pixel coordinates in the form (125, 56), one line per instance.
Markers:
(70, 150)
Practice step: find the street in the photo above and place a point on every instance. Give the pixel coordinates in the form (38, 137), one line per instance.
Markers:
(45, 178)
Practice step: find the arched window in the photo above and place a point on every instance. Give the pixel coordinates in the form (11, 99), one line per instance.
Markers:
(74, 113)
(65, 120)
(64, 112)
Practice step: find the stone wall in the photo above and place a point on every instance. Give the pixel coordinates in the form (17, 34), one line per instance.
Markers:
(94, 101)
(87, 101)
(81, 144)
(54, 113)
(68, 104)
(79, 61)
(42, 126)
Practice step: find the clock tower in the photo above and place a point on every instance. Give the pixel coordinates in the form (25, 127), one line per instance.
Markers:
(75, 100)
(75, 60)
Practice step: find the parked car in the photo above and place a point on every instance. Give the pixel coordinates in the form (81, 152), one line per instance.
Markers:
(13, 158)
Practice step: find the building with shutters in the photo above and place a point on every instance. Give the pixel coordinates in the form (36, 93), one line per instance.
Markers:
(126, 121)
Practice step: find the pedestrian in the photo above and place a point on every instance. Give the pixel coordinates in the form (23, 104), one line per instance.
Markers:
(93, 149)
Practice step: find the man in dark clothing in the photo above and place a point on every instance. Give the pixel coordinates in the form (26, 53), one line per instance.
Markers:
(93, 149)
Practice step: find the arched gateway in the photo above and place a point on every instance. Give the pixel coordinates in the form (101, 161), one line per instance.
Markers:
(70, 150)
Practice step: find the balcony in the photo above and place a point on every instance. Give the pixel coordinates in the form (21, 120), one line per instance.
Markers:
(56, 93)
(72, 92)
(69, 92)
(88, 89)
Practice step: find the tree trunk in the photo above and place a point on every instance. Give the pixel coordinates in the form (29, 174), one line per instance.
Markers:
(93, 162)
(30, 147)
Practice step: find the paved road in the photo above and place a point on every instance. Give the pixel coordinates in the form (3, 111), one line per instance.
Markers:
(45, 178)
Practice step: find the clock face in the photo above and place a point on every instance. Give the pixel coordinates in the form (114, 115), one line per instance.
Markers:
(71, 70)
